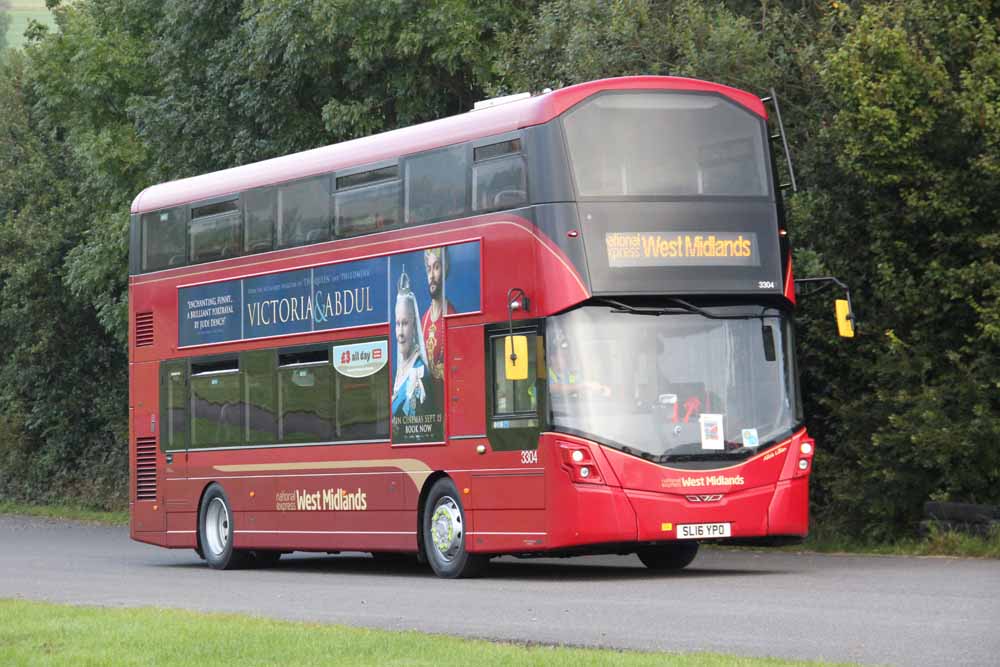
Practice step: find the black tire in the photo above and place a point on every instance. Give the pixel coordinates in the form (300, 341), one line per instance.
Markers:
(215, 531)
(673, 556)
(443, 523)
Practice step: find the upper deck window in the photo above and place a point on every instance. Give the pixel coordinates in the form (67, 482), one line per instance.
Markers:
(259, 209)
(666, 144)
(215, 231)
(498, 179)
(163, 240)
(436, 185)
(304, 212)
(367, 201)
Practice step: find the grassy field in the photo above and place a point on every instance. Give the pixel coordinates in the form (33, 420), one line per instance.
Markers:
(33, 633)
(69, 512)
(22, 12)
(935, 543)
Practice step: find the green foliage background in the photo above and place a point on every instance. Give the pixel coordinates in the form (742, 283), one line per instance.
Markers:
(893, 111)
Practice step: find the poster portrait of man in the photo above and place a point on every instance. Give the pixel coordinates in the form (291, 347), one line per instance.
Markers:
(436, 267)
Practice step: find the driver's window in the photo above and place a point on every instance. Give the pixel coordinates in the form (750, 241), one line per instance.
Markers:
(514, 396)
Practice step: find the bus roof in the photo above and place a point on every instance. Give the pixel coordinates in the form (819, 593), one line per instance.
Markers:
(414, 139)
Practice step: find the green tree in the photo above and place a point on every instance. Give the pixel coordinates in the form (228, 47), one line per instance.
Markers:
(909, 185)
(62, 427)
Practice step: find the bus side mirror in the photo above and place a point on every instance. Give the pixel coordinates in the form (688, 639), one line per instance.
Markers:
(845, 320)
(515, 351)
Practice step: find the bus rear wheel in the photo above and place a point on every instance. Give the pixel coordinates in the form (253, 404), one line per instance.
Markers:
(215, 531)
(673, 556)
(444, 533)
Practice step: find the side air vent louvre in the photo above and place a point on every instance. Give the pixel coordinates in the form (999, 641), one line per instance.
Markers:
(145, 469)
(143, 329)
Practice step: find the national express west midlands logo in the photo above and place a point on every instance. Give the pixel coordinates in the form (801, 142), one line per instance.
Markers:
(681, 249)
(695, 482)
(336, 500)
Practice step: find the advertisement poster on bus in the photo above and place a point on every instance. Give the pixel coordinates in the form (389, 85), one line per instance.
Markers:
(428, 285)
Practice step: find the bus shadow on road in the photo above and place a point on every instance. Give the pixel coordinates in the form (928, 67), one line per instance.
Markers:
(504, 569)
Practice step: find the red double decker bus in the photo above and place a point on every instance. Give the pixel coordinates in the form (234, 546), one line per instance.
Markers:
(560, 324)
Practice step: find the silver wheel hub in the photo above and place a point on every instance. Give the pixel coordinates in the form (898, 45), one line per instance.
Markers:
(217, 527)
(447, 529)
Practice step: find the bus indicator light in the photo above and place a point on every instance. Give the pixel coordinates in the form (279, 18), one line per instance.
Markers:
(803, 464)
(580, 464)
(666, 527)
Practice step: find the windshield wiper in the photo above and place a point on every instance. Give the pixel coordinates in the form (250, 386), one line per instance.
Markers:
(681, 307)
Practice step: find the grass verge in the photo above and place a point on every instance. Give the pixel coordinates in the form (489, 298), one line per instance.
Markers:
(67, 512)
(33, 633)
(937, 542)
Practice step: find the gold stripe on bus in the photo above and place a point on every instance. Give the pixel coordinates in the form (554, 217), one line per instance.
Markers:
(416, 470)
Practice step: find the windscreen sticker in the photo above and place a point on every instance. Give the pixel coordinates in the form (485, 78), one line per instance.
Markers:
(711, 431)
(750, 438)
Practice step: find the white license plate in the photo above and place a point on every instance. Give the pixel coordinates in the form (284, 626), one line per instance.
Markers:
(702, 531)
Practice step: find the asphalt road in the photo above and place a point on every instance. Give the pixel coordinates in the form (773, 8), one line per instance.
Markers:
(874, 610)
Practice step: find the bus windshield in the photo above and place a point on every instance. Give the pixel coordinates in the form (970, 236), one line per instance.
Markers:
(666, 144)
(677, 386)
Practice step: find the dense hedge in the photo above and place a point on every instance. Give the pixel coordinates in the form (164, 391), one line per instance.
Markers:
(893, 110)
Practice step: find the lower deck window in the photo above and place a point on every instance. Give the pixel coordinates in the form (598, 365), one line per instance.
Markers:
(270, 397)
(216, 408)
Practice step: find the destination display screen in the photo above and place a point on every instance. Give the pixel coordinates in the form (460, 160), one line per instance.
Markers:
(682, 247)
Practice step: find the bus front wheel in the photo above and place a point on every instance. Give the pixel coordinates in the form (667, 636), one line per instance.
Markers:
(444, 533)
(672, 556)
(215, 531)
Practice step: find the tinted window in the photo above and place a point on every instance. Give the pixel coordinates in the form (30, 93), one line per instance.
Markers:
(367, 209)
(216, 408)
(259, 395)
(666, 144)
(304, 212)
(436, 185)
(511, 396)
(173, 415)
(497, 150)
(259, 209)
(368, 177)
(215, 231)
(163, 240)
(305, 397)
(362, 402)
(499, 184)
